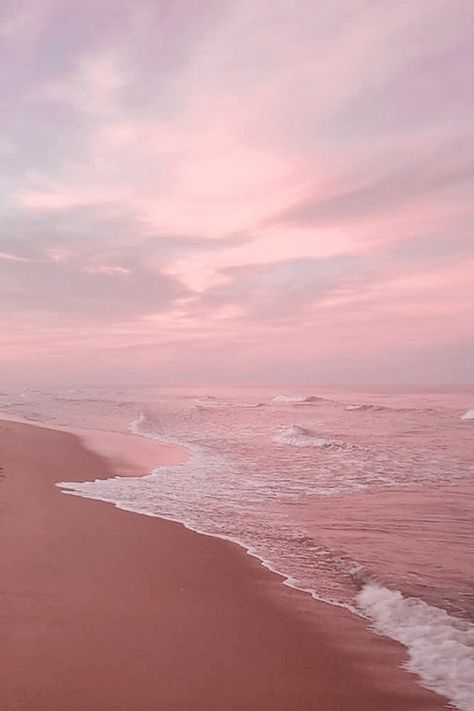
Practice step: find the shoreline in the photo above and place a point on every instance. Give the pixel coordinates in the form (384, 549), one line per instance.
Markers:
(248, 640)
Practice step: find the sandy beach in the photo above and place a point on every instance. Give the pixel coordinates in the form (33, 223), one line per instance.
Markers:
(107, 610)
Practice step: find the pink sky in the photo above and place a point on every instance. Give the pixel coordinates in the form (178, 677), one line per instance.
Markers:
(237, 191)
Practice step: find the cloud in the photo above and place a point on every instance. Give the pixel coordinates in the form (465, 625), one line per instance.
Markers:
(285, 289)
(5, 256)
(92, 263)
(181, 178)
(71, 291)
(95, 86)
(419, 179)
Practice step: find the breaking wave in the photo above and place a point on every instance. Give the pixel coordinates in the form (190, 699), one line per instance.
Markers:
(469, 415)
(440, 647)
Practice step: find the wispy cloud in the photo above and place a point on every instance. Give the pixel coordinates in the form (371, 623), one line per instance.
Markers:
(427, 177)
(183, 178)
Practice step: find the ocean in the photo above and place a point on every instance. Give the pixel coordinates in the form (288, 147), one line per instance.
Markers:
(364, 499)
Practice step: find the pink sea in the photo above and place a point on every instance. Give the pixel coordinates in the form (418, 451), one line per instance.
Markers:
(363, 498)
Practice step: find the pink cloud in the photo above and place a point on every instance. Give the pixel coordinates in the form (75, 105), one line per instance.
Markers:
(247, 183)
(12, 257)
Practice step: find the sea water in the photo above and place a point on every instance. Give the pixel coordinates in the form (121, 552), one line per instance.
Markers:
(362, 499)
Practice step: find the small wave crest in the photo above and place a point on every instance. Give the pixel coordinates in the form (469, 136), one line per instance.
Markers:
(350, 408)
(297, 436)
(440, 647)
(136, 426)
(297, 399)
(469, 415)
(208, 401)
(364, 407)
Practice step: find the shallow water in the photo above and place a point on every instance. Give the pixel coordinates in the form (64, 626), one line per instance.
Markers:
(363, 498)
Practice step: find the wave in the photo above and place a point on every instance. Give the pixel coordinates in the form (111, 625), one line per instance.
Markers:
(143, 426)
(297, 436)
(136, 425)
(440, 647)
(297, 399)
(208, 401)
(379, 408)
(469, 415)
(385, 408)
(349, 407)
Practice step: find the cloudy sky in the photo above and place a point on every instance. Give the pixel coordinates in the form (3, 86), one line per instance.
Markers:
(237, 190)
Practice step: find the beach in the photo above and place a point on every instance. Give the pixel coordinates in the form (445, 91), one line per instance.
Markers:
(107, 610)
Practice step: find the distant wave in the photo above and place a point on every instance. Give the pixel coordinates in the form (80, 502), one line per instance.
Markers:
(469, 415)
(440, 647)
(80, 400)
(210, 401)
(358, 407)
(349, 407)
(377, 408)
(296, 399)
(12, 404)
(385, 408)
(297, 436)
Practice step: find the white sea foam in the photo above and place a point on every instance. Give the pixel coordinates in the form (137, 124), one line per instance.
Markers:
(301, 437)
(440, 647)
(469, 415)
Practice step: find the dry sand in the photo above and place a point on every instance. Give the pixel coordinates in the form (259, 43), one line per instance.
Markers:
(106, 610)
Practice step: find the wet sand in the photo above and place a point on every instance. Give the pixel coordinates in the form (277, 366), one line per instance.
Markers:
(106, 610)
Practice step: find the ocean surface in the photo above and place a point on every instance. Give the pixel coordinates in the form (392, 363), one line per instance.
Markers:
(363, 499)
